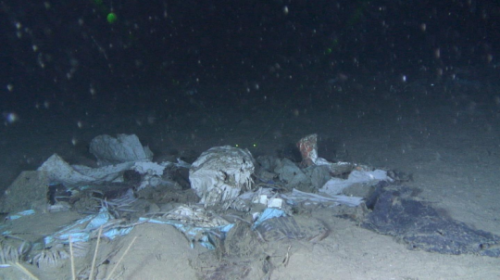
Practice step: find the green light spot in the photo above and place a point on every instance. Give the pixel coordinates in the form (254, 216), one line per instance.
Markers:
(112, 18)
(255, 145)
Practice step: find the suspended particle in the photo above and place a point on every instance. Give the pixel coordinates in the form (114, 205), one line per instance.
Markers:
(40, 60)
(10, 87)
(112, 18)
(79, 124)
(489, 58)
(74, 141)
(10, 117)
(497, 100)
(285, 10)
(423, 27)
(437, 53)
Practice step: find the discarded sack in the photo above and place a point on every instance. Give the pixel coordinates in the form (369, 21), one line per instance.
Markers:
(221, 173)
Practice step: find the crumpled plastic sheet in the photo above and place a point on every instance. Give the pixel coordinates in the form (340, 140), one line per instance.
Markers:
(60, 172)
(201, 234)
(109, 150)
(268, 213)
(81, 230)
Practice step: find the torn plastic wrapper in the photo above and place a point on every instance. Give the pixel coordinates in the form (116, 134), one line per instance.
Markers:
(196, 223)
(195, 232)
(82, 229)
(192, 233)
(297, 196)
(59, 171)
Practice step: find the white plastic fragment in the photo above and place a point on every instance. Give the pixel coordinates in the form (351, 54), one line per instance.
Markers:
(275, 203)
(335, 186)
(149, 168)
(365, 176)
(181, 163)
(297, 196)
(20, 214)
(263, 199)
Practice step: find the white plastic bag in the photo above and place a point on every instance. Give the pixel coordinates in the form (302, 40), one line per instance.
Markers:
(221, 173)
